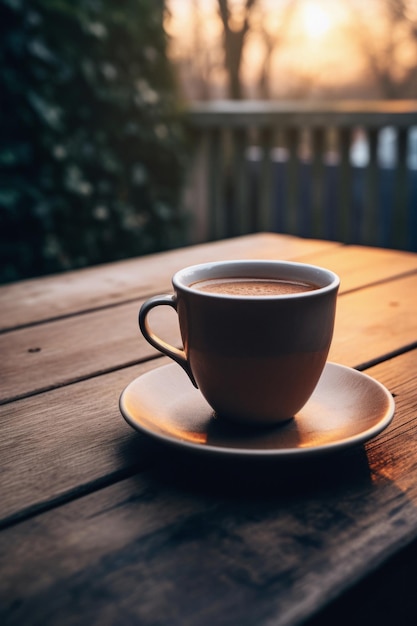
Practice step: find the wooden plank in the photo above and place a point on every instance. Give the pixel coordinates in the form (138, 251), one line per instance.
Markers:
(31, 301)
(303, 113)
(387, 596)
(359, 265)
(392, 455)
(58, 443)
(375, 322)
(61, 352)
(360, 335)
(191, 544)
(49, 355)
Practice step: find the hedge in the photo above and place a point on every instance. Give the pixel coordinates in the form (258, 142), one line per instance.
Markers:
(92, 151)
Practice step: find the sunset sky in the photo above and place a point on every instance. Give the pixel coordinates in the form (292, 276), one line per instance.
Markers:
(318, 50)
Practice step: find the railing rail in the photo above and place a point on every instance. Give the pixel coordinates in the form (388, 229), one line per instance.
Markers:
(338, 170)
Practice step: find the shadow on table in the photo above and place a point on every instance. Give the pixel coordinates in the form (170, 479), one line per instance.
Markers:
(251, 477)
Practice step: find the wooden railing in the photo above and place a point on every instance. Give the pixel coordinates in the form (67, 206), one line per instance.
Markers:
(338, 170)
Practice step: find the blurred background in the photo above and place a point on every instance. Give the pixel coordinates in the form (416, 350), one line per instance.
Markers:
(137, 126)
(287, 49)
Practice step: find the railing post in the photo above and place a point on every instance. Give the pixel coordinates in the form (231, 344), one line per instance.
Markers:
(216, 185)
(371, 216)
(411, 226)
(263, 218)
(196, 193)
(355, 208)
(319, 228)
(345, 198)
(241, 208)
(291, 205)
(400, 234)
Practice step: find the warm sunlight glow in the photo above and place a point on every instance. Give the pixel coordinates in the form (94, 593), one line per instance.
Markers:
(293, 49)
(316, 21)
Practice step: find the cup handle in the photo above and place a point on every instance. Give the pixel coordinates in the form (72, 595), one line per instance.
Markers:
(174, 353)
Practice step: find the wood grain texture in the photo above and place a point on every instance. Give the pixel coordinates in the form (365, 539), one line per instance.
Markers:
(99, 525)
(67, 350)
(368, 325)
(33, 301)
(359, 266)
(375, 322)
(67, 439)
(46, 298)
(189, 545)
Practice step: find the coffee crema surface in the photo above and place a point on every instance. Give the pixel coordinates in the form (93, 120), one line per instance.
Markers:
(252, 286)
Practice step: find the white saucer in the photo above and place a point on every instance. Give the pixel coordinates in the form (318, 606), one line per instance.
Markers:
(347, 408)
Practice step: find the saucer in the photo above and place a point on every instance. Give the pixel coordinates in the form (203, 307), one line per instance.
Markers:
(347, 408)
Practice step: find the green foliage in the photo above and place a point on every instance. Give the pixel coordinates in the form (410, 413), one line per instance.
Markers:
(91, 144)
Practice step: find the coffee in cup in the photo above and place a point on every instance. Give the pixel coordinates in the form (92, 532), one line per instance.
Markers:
(252, 286)
(256, 334)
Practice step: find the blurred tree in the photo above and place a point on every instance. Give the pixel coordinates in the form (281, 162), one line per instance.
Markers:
(204, 60)
(248, 18)
(213, 56)
(91, 146)
(235, 30)
(388, 43)
(273, 36)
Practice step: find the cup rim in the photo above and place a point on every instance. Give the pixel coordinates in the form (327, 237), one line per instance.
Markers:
(183, 278)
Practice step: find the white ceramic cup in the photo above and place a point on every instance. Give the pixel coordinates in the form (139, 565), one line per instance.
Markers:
(255, 358)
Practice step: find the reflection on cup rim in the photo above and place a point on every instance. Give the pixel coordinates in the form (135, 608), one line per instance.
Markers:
(325, 279)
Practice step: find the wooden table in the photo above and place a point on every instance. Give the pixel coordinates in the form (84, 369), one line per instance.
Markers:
(102, 525)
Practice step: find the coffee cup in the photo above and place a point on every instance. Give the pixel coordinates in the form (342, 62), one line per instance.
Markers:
(256, 334)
